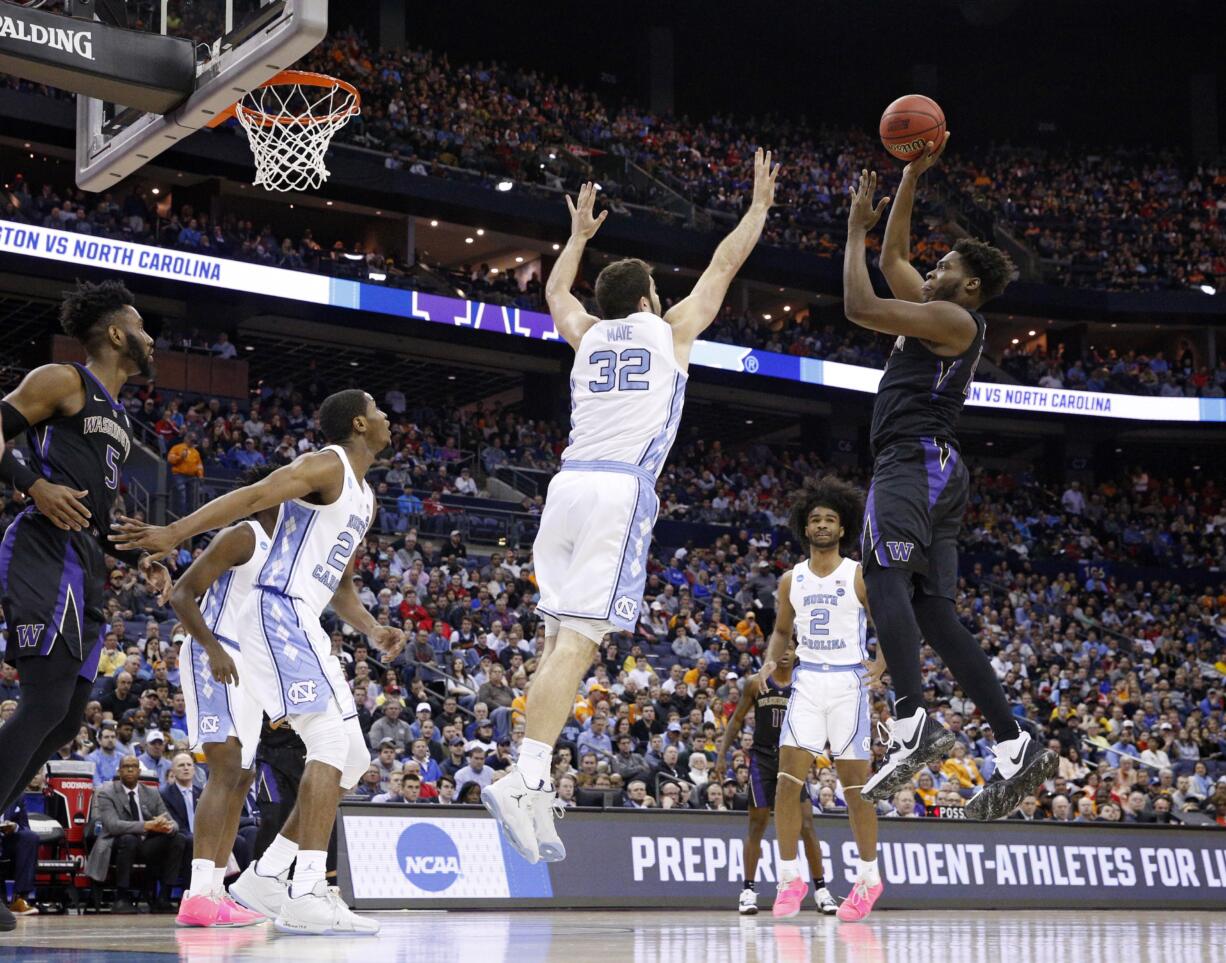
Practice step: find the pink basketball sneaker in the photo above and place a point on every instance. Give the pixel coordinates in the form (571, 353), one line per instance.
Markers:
(208, 909)
(231, 913)
(859, 904)
(198, 910)
(790, 898)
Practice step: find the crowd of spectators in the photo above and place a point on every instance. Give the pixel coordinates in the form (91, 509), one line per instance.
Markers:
(1116, 218)
(1121, 219)
(1126, 372)
(1122, 676)
(136, 215)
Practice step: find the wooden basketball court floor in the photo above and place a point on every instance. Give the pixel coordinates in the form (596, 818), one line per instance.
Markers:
(660, 936)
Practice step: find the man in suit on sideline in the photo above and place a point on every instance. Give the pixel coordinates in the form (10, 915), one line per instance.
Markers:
(182, 796)
(135, 827)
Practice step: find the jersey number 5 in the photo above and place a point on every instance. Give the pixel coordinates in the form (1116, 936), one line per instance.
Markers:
(112, 465)
(634, 361)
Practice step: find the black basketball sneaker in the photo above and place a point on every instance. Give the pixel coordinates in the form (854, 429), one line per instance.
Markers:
(1022, 765)
(913, 743)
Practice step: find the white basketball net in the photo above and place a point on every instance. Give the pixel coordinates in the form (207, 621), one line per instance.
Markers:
(289, 127)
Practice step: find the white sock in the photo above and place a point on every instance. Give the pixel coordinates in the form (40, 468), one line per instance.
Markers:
(202, 877)
(535, 763)
(866, 869)
(277, 857)
(789, 869)
(309, 872)
(219, 881)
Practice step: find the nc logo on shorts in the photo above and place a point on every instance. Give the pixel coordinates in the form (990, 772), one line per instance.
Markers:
(625, 607)
(209, 725)
(301, 692)
(428, 857)
(868, 742)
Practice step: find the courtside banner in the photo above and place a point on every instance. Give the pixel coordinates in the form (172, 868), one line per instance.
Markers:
(431, 857)
(192, 268)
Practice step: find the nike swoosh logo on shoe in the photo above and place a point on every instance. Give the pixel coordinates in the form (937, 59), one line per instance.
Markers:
(1017, 760)
(914, 743)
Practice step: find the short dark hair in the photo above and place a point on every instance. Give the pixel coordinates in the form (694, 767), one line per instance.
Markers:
(621, 285)
(337, 412)
(89, 304)
(828, 492)
(990, 264)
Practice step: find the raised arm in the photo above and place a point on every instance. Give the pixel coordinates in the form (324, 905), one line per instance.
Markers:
(567, 311)
(943, 324)
(691, 316)
(317, 472)
(230, 548)
(904, 280)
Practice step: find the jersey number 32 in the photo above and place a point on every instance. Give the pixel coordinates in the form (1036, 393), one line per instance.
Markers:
(619, 370)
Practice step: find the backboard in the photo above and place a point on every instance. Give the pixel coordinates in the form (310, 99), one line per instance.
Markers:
(239, 45)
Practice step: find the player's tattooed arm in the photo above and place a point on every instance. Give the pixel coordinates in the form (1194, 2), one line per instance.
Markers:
(942, 324)
(230, 548)
(904, 280)
(567, 311)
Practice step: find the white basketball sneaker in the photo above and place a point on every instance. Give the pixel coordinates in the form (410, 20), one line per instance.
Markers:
(827, 905)
(545, 809)
(322, 912)
(263, 894)
(747, 905)
(511, 803)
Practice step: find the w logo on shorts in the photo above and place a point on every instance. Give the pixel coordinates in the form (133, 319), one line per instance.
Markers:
(29, 636)
(900, 551)
(301, 692)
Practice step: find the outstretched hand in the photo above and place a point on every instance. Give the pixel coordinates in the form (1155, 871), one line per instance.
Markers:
(158, 577)
(157, 540)
(931, 155)
(863, 216)
(582, 222)
(764, 178)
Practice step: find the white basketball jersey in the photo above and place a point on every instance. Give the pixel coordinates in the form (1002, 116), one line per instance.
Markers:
(626, 393)
(225, 597)
(831, 624)
(313, 543)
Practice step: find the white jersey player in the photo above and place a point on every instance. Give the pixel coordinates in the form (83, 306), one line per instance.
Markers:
(823, 600)
(326, 507)
(223, 716)
(590, 556)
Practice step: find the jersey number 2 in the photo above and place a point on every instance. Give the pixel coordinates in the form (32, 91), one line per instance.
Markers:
(634, 361)
(338, 558)
(821, 617)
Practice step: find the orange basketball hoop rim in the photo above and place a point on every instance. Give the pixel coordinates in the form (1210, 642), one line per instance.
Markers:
(301, 78)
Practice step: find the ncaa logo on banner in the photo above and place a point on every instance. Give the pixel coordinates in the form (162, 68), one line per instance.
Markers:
(301, 692)
(428, 857)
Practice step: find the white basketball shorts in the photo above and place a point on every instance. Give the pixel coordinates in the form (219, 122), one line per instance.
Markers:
(289, 659)
(591, 551)
(216, 710)
(829, 706)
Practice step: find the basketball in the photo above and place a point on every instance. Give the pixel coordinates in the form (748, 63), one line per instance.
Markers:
(909, 123)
